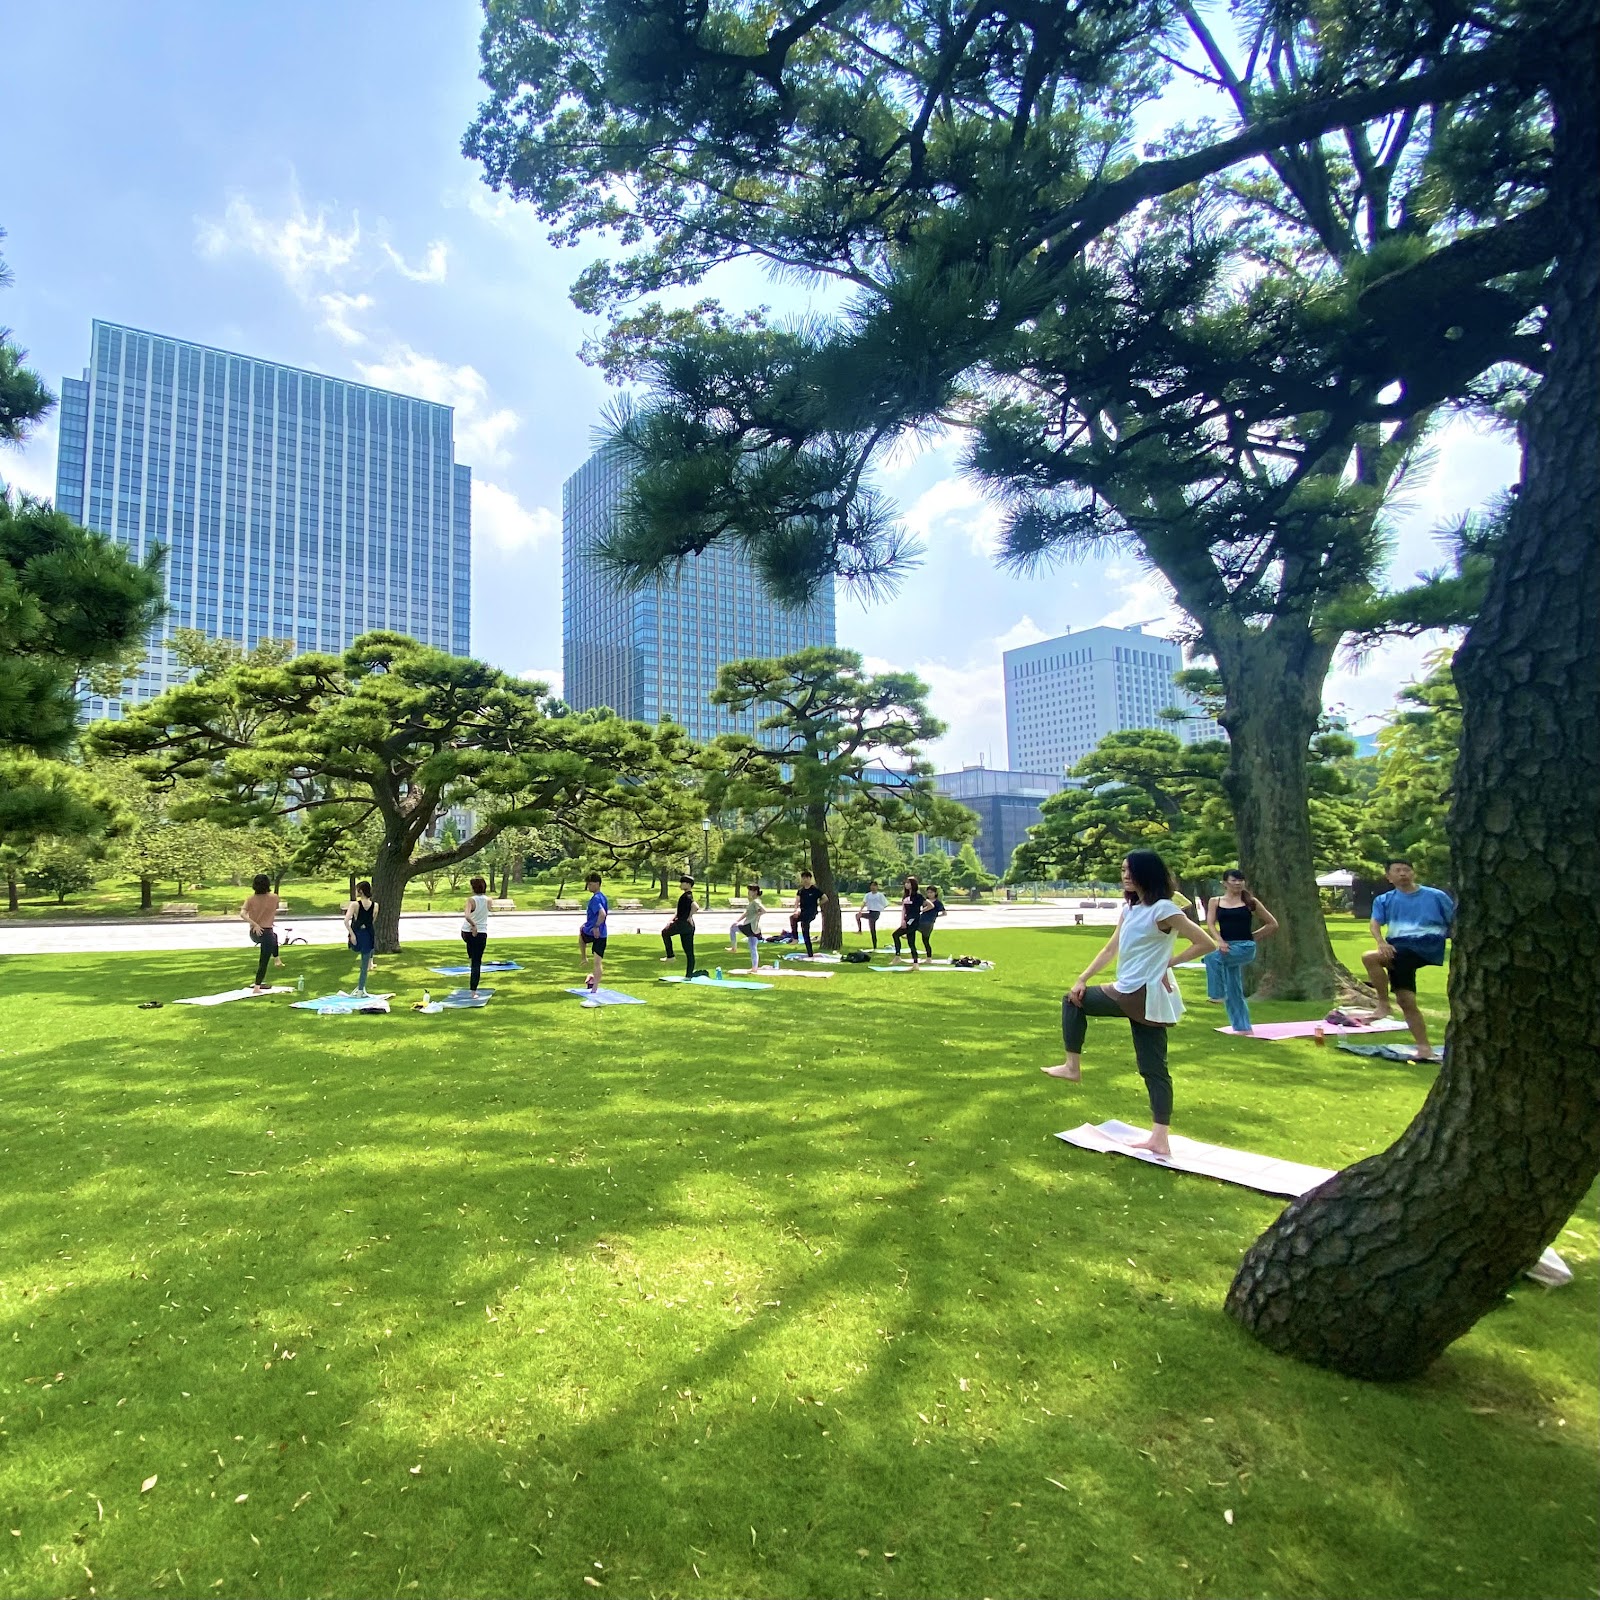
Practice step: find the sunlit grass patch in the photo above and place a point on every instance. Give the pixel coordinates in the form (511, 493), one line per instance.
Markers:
(773, 1293)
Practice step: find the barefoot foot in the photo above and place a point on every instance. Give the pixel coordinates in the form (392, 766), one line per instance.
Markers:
(1155, 1143)
(1064, 1070)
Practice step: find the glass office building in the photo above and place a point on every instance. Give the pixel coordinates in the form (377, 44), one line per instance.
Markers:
(291, 505)
(1063, 696)
(1006, 804)
(653, 653)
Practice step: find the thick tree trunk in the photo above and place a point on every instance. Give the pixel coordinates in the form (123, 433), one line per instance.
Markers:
(822, 871)
(1376, 1272)
(13, 901)
(391, 872)
(146, 894)
(1274, 680)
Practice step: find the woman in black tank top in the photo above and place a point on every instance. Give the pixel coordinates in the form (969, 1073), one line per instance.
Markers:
(1232, 921)
(359, 930)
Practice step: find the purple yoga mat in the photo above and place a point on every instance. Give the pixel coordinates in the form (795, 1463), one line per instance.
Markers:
(1304, 1030)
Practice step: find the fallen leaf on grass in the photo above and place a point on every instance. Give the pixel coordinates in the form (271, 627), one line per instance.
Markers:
(1227, 1516)
(594, 1583)
(148, 1484)
(239, 1499)
(415, 1471)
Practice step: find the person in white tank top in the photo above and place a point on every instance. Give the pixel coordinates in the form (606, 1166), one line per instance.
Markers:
(1144, 948)
(475, 929)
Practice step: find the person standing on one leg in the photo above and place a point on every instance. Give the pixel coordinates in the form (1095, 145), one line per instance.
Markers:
(810, 900)
(1231, 922)
(932, 909)
(682, 925)
(873, 906)
(475, 929)
(593, 934)
(1410, 923)
(750, 928)
(910, 910)
(1144, 991)
(682, 918)
(359, 917)
(261, 912)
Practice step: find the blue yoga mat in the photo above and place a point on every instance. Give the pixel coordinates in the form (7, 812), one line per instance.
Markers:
(342, 1005)
(488, 966)
(717, 983)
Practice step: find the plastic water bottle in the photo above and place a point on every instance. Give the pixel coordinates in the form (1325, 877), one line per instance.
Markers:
(300, 987)
(427, 999)
(719, 974)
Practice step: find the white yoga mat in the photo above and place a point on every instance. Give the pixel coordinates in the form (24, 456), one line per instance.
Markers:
(1307, 1029)
(1249, 1171)
(1265, 1173)
(234, 994)
(789, 972)
(607, 997)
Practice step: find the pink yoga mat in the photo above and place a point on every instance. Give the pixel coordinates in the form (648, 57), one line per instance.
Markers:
(1304, 1030)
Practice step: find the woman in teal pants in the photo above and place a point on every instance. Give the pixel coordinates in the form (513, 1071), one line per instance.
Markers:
(1232, 922)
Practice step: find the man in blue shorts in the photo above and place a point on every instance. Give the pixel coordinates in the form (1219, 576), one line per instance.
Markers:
(1410, 923)
(592, 936)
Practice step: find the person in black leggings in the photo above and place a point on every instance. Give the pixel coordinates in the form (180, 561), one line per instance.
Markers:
(682, 925)
(810, 898)
(910, 911)
(261, 911)
(932, 909)
(475, 930)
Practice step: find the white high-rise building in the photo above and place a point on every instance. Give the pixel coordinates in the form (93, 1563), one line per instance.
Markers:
(1063, 696)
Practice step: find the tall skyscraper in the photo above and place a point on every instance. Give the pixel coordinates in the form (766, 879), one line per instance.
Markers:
(653, 653)
(1063, 696)
(292, 505)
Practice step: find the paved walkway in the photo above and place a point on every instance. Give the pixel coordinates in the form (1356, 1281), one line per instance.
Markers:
(54, 939)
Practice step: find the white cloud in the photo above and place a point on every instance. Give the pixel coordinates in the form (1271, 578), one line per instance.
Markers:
(481, 430)
(957, 504)
(300, 247)
(545, 675)
(502, 522)
(1025, 631)
(434, 265)
(31, 469)
(1147, 597)
(337, 309)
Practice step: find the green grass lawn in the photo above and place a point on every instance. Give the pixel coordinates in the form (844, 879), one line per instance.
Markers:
(773, 1294)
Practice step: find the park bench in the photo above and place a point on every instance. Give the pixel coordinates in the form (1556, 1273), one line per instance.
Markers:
(630, 905)
(180, 908)
(569, 905)
(502, 905)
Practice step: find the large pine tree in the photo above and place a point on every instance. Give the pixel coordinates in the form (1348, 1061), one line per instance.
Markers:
(959, 168)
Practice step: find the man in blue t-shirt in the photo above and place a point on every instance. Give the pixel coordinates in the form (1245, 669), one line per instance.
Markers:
(593, 933)
(1410, 923)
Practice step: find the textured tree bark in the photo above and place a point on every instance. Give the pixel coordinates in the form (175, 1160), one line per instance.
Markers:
(147, 888)
(1274, 681)
(822, 871)
(1377, 1271)
(390, 875)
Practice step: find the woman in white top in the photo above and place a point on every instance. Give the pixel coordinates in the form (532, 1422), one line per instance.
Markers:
(475, 929)
(873, 906)
(1144, 948)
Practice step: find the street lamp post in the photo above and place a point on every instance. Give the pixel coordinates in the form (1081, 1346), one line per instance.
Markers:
(705, 852)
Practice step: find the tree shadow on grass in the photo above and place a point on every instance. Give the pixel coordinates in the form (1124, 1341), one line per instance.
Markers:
(489, 1249)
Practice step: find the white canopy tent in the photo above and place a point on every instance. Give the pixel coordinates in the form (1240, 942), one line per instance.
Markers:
(1336, 880)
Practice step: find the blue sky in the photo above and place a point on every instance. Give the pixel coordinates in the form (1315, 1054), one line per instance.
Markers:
(287, 180)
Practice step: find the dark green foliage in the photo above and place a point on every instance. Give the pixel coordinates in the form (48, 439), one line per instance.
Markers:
(841, 748)
(69, 598)
(396, 733)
